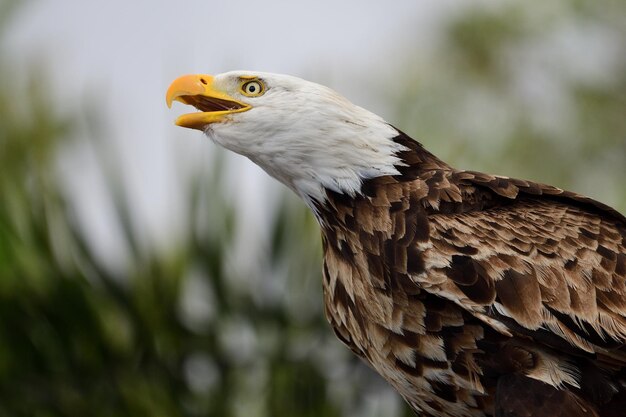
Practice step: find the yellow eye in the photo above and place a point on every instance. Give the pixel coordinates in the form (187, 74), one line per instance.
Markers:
(252, 88)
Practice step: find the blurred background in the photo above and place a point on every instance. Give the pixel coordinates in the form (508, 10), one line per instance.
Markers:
(144, 272)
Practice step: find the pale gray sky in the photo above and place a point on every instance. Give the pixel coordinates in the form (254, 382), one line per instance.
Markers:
(122, 55)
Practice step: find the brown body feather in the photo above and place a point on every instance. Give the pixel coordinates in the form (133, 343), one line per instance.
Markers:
(478, 295)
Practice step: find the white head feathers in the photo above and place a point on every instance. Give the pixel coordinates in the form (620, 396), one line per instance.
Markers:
(306, 135)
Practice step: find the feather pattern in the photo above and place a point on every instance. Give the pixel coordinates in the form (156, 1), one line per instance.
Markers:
(472, 294)
(460, 288)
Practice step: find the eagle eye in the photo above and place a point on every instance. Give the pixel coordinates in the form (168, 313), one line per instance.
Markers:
(252, 88)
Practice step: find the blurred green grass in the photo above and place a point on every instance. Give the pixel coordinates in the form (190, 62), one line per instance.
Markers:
(172, 333)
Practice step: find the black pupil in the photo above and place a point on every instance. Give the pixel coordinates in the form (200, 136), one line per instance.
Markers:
(251, 88)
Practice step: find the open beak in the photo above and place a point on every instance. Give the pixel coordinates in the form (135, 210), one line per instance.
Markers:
(198, 91)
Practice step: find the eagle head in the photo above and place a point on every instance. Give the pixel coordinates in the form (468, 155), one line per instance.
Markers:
(303, 134)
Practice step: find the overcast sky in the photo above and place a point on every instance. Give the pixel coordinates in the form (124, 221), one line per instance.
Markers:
(120, 56)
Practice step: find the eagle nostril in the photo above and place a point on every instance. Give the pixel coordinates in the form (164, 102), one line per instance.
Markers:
(203, 81)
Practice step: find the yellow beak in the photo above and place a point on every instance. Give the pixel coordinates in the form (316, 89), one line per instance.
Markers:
(198, 90)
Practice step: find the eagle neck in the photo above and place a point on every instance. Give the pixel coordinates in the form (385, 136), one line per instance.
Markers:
(413, 160)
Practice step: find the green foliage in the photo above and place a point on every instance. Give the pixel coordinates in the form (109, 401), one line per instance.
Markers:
(79, 339)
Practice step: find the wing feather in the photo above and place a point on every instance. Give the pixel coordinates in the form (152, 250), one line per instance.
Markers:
(540, 256)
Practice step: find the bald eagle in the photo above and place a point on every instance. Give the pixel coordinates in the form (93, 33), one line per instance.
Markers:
(471, 294)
